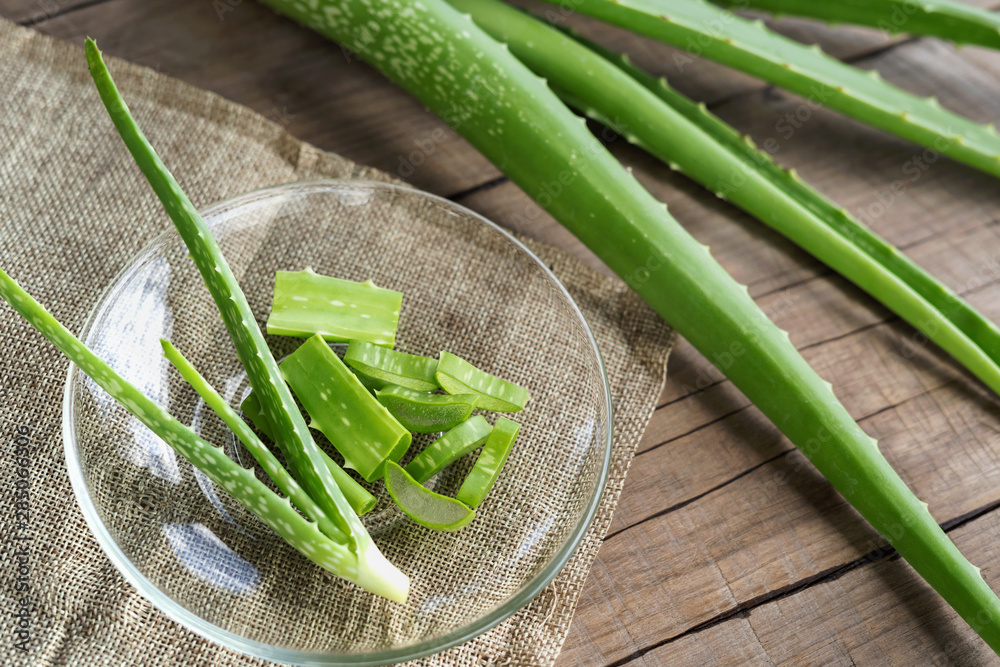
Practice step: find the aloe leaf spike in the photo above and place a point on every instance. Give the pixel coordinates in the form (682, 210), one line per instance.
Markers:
(456, 70)
(725, 164)
(750, 47)
(290, 428)
(275, 511)
(954, 21)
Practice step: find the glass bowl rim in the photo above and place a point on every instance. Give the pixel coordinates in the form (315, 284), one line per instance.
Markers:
(213, 633)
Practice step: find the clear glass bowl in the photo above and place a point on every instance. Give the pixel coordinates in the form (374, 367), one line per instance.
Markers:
(469, 287)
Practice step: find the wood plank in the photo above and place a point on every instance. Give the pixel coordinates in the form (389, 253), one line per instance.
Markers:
(730, 644)
(771, 529)
(871, 615)
(30, 12)
(777, 524)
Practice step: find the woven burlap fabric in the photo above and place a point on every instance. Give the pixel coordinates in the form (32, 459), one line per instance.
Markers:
(74, 210)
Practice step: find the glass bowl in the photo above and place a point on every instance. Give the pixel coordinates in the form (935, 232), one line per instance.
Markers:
(470, 288)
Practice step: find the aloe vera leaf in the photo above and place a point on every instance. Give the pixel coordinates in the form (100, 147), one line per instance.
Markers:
(360, 427)
(241, 483)
(306, 303)
(293, 435)
(450, 447)
(421, 412)
(457, 71)
(716, 157)
(429, 509)
(262, 371)
(359, 498)
(458, 376)
(487, 468)
(749, 46)
(390, 367)
(979, 329)
(953, 21)
(257, 449)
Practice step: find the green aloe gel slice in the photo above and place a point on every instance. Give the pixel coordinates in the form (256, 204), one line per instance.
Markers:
(427, 508)
(357, 496)
(390, 367)
(306, 303)
(373, 384)
(487, 468)
(421, 412)
(458, 376)
(343, 410)
(450, 447)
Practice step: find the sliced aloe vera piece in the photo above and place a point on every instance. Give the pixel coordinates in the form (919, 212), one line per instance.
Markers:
(357, 496)
(371, 383)
(421, 412)
(487, 468)
(450, 447)
(306, 303)
(343, 410)
(458, 376)
(391, 367)
(427, 508)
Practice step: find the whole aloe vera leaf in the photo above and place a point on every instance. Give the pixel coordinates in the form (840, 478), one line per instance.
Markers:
(262, 371)
(456, 70)
(979, 329)
(296, 443)
(284, 481)
(749, 46)
(240, 482)
(953, 21)
(715, 156)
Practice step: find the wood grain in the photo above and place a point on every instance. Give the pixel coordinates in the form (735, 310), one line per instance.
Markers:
(727, 548)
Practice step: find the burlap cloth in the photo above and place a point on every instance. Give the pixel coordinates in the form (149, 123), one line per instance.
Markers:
(73, 211)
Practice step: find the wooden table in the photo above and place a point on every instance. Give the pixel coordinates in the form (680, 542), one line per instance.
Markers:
(726, 548)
